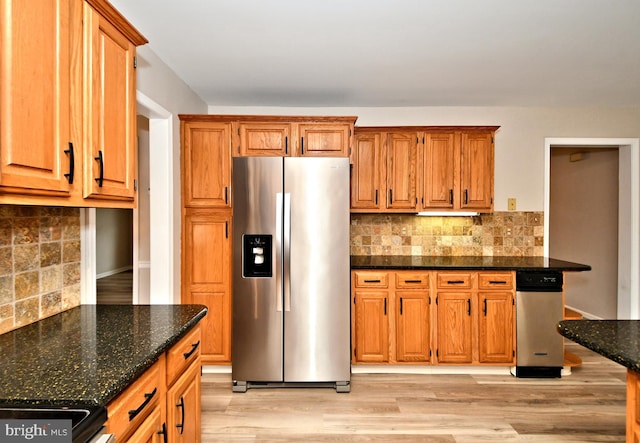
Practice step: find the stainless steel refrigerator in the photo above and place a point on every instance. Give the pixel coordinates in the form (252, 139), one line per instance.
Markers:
(291, 281)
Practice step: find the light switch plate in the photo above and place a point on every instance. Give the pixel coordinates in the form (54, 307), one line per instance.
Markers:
(511, 204)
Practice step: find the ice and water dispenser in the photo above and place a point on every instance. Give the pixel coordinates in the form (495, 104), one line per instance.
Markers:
(256, 256)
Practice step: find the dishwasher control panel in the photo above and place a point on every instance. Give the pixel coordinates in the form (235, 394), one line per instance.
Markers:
(549, 281)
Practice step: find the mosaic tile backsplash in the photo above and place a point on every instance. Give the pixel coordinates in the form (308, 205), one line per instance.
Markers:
(511, 233)
(39, 263)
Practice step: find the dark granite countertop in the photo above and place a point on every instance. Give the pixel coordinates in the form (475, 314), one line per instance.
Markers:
(483, 263)
(618, 340)
(88, 354)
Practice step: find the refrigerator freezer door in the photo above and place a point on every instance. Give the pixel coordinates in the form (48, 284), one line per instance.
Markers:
(257, 301)
(317, 314)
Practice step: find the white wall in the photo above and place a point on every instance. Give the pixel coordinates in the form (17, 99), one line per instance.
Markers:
(161, 85)
(114, 250)
(519, 162)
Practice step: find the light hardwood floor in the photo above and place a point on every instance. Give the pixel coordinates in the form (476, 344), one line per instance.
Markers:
(587, 406)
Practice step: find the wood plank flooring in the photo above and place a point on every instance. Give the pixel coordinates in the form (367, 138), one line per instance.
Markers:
(587, 406)
(116, 289)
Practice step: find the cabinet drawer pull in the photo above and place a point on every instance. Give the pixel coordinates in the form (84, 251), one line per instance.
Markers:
(413, 281)
(466, 196)
(469, 306)
(286, 145)
(372, 281)
(302, 145)
(390, 196)
(72, 163)
(100, 161)
(400, 305)
(376, 197)
(455, 282)
(385, 306)
(163, 432)
(134, 412)
(181, 406)
(194, 346)
(497, 282)
(450, 196)
(484, 309)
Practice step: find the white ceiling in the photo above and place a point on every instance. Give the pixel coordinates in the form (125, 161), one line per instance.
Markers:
(398, 52)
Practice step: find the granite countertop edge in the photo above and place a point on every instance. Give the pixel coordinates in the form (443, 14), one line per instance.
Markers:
(471, 263)
(617, 340)
(35, 373)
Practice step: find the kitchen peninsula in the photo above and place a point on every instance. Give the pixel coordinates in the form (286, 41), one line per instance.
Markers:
(101, 357)
(618, 340)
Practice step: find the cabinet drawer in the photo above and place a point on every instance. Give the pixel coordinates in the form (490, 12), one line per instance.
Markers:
(501, 280)
(372, 279)
(454, 280)
(127, 411)
(412, 280)
(183, 353)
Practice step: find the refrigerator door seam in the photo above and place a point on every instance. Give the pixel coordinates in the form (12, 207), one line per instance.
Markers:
(278, 248)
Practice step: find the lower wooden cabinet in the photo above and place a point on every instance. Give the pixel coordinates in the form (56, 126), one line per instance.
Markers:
(633, 406)
(433, 317)
(475, 318)
(183, 408)
(206, 277)
(390, 317)
(163, 404)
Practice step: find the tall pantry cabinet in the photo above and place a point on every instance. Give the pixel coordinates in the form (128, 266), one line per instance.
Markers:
(206, 230)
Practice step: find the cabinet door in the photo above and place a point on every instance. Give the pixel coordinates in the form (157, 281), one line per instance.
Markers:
(412, 326)
(438, 171)
(206, 274)
(365, 175)
(402, 154)
(454, 327)
(206, 164)
(371, 327)
(476, 164)
(36, 53)
(110, 111)
(264, 139)
(496, 327)
(324, 139)
(183, 407)
(151, 430)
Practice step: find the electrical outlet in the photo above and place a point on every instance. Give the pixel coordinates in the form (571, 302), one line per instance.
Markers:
(511, 204)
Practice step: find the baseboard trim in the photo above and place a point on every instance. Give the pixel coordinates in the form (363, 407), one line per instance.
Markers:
(113, 272)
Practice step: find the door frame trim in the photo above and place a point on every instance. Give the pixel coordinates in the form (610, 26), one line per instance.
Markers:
(628, 214)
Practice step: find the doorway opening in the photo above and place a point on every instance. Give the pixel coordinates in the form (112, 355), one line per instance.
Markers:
(628, 241)
(155, 275)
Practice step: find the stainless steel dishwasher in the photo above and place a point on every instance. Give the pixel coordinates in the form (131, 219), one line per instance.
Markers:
(539, 308)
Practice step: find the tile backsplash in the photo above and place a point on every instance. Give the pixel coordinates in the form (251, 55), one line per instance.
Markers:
(39, 263)
(498, 234)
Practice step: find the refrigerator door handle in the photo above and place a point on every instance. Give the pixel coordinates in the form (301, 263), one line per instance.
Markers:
(278, 250)
(286, 252)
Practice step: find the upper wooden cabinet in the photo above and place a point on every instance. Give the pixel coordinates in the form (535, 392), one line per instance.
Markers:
(206, 164)
(264, 139)
(39, 43)
(366, 172)
(325, 139)
(384, 173)
(424, 169)
(67, 97)
(402, 155)
(110, 105)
